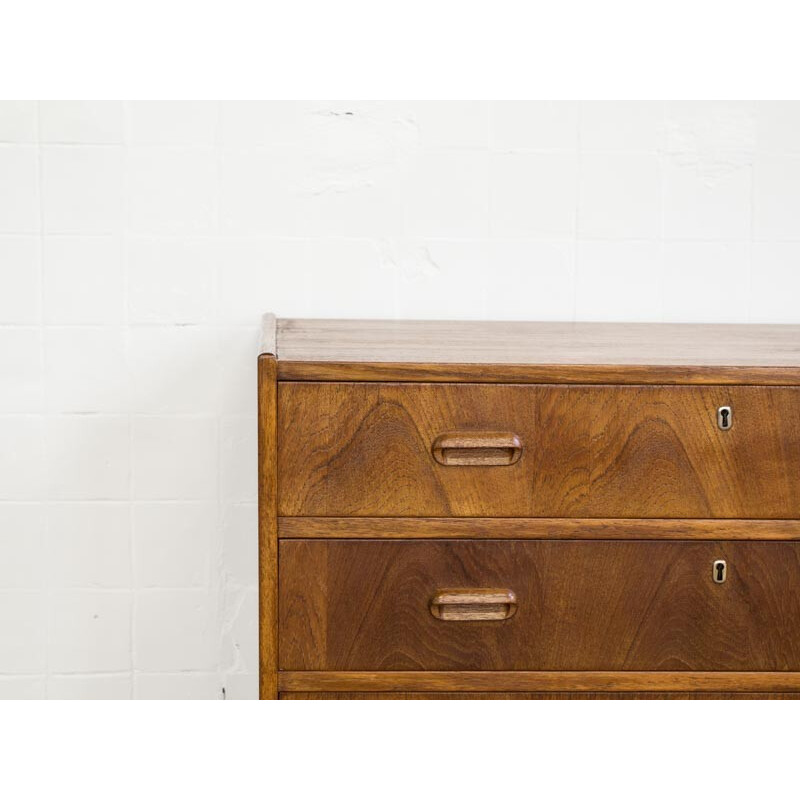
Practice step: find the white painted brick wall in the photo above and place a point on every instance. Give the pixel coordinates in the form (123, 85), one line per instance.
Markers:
(140, 242)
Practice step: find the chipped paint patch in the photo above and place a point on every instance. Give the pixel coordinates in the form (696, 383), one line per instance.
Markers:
(409, 260)
(351, 146)
(712, 138)
(233, 613)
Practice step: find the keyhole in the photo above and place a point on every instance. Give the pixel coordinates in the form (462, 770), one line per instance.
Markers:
(724, 417)
(720, 569)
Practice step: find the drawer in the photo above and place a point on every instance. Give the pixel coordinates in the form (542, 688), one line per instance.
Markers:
(444, 450)
(538, 605)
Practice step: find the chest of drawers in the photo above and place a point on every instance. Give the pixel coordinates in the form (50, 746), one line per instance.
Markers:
(456, 509)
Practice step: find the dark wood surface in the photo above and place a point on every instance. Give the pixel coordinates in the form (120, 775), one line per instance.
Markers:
(267, 528)
(602, 529)
(539, 696)
(523, 681)
(360, 449)
(581, 605)
(533, 343)
(520, 528)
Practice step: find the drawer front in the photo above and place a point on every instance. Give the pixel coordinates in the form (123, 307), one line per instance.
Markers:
(370, 449)
(549, 605)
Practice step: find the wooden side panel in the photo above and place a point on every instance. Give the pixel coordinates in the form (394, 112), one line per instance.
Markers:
(267, 528)
(539, 696)
(581, 605)
(588, 451)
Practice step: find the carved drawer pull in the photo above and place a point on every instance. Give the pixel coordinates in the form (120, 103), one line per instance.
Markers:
(482, 449)
(473, 604)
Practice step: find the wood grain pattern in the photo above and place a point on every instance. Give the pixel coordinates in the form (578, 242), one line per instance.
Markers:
(307, 609)
(538, 343)
(733, 682)
(540, 696)
(604, 525)
(537, 373)
(267, 528)
(520, 528)
(350, 449)
(581, 605)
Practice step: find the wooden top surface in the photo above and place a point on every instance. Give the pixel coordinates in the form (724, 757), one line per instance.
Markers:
(531, 343)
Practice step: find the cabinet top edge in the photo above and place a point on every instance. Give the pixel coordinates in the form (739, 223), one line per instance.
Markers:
(534, 344)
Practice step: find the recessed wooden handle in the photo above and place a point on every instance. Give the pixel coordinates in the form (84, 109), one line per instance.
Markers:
(477, 449)
(473, 604)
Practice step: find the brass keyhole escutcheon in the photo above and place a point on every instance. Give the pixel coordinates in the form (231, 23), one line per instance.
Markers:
(719, 571)
(724, 418)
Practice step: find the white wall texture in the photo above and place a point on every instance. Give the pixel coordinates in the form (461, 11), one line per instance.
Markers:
(140, 242)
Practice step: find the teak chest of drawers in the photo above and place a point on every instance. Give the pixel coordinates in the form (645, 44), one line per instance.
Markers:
(531, 510)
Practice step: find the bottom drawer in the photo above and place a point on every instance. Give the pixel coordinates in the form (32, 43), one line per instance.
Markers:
(539, 605)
